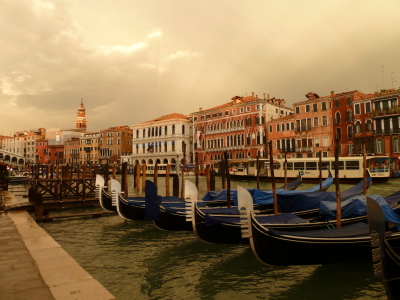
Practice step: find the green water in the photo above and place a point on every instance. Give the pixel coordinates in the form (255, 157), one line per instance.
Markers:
(134, 260)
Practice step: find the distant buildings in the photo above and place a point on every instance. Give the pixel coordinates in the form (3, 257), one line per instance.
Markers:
(241, 127)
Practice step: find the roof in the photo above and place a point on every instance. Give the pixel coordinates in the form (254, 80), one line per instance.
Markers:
(172, 116)
(284, 118)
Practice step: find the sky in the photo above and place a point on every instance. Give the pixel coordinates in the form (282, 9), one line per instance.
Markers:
(132, 61)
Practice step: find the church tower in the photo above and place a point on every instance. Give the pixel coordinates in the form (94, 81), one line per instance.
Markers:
(81, 119)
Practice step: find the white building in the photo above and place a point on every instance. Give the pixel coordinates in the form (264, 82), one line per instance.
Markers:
(161, 141)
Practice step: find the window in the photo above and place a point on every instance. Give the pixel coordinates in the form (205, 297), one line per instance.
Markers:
(349, 116)
(297, 109)
(350, 149)
(307, 108)
(234, 112)
(316, 141)
(379, 146)
(337, 118)
(324, 121)
(348, 101)
(325, 142)
(357, 127)
(368, 126)
(248, 108)
(242, 109)
(323, 106)
(339, 133)
(396, 145)
(349, 132)
(315, 121)
(357, 109)
(367, 107)
(337, 103)
(315, 107)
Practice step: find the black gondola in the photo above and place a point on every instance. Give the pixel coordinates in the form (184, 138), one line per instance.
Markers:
(385, 253)
(278, 247)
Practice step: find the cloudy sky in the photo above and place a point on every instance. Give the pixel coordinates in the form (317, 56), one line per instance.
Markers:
(133, 60)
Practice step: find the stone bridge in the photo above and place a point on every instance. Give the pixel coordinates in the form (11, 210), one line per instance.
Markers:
(12, 159)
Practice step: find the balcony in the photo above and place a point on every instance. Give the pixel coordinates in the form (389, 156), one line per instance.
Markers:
(387, 131)
(304, 149)
(288, 150)
(385, 111)
(221, 149)
(167, 137)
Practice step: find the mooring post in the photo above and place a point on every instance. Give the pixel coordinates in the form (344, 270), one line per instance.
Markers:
(167, 172)
(143, 177)
(39, 206)
(175, 185)
(212, 179)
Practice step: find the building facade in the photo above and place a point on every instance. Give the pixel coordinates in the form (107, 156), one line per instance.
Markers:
(115, 142)
(164, 140)
(237, 128)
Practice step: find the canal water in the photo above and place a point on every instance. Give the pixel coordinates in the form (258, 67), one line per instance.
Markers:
(135, 260)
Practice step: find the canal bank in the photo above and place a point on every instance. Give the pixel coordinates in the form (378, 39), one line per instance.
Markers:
(34, 266)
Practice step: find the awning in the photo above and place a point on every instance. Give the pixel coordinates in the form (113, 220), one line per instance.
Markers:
(385, 159)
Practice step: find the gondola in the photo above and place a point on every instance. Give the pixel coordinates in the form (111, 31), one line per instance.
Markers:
(133, 208)
(167, 216)
(385, 254)
(222, 225)
(219, 197)
(323, 246)
(172, 216)
(102, 194)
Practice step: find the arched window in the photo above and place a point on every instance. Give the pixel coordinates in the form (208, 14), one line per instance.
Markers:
(349, 116)
(258, 138)
(337, 118)
(183, 129)
(357, 127)
(249, 139)
(278, 144)
(270, 128)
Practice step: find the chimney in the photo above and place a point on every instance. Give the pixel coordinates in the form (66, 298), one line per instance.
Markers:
(264, 96)
(268, 97)
(252, 95)
(200, 109)
(332, 93)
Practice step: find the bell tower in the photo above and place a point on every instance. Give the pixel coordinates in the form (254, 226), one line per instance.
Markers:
(81, 117)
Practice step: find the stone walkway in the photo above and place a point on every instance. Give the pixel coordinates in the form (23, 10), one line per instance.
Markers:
(34, 266)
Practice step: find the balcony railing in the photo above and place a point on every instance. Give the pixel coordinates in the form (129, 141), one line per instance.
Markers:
(385, 111)
(387, 131)
(304, 149)
(288, 150)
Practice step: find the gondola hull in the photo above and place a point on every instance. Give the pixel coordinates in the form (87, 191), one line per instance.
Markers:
(283, 250)
(228, 232)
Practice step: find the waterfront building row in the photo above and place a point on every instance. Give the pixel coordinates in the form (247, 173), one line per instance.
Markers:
(241, 127)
